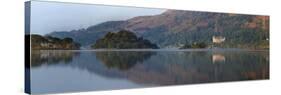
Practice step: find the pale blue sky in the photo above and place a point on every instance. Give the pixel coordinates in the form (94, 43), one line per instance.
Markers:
(47, 17)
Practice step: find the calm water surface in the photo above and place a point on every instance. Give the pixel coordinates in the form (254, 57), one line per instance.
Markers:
(56, 71)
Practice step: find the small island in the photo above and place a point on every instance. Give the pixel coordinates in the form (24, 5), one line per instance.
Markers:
(194, 45)
(123, 39)
(39, 42)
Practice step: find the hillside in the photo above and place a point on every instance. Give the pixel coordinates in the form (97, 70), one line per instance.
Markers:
(174, 28)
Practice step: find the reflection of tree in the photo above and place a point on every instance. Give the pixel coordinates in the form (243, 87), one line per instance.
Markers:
(165, 67)
(170, 68)
(39, 57)
(196, 67)
(252, 65)
(122, 60)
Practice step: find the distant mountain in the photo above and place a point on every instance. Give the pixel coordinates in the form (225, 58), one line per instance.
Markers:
(92, 33)
(174, 28)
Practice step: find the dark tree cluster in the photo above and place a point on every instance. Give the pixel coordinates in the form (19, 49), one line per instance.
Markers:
(49, 43)
(123, 40)
(194, 45)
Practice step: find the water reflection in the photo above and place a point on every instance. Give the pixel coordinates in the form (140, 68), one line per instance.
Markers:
(218, 58)
(48, 57)
(148, 68)
(123, 60)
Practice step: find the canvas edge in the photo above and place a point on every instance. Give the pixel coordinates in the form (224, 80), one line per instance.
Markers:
(27, 11)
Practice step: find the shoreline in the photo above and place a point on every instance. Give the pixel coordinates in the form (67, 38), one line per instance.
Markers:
(225, 49)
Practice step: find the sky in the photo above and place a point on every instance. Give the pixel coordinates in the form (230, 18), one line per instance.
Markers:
(47, 17)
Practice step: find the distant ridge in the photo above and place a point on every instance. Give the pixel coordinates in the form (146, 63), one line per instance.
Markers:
(174, 28)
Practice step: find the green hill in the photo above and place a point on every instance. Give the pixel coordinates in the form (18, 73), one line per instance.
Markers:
(123, 40)
(175, 28)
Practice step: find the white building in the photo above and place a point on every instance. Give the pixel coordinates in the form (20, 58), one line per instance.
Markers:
(218, 39)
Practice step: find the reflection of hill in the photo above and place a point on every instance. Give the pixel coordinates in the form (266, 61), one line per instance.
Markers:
(171, 67)
(197, 67)
(168, 68)
(39, 57)
(122, 60)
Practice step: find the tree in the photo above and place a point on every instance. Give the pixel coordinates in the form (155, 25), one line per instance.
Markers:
(67, 40)
(123, 39)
